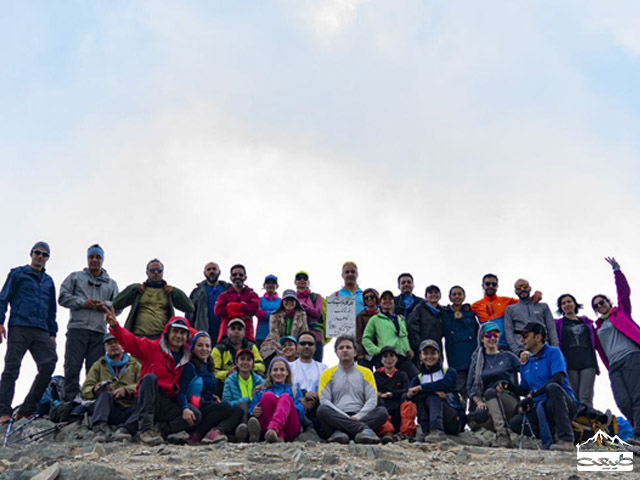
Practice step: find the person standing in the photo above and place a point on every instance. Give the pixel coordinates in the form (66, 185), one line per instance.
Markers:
(372, 307)
(425, 321)
(312, 303)
(239, 301)
(289, 319)
(86, 294)
(269, 303)
(351, 288)
(577, 340)
(406, 301)
(204, 297)
(32, 327)
(618, 343)
(152, 303)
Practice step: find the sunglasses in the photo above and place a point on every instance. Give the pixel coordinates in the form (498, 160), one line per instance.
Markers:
(369, 297)
(307, 344)
(493, 334)
(302, 277)
(156, 270)
(524, 334)
(598, 304)
(40, 252)
(490, 284)
(524, 286)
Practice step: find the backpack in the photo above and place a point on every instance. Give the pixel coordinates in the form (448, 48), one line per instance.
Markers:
(52, 396)
(588, 421)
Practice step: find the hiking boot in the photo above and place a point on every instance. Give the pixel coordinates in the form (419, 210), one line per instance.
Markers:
(194, 438)
(20, 416)
(272, 437)
(387, 439)
(309, 434)
(563, 446)
(5, 418)
(101, 433)
(178, 438)
(121, 434)
(367, 436)
(241, 433)
(338, 437)
(503, 441)
(253, 425)
(214, 436)
(435, 436)
(151, 437)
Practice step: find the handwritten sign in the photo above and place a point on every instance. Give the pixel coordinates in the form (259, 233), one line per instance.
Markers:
(341, 316)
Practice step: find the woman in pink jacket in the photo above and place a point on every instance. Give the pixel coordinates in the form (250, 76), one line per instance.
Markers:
(618, 343)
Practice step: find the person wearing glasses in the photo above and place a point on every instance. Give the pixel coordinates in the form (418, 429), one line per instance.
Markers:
(519, 314)
(312, 304)
(577, 340)
(491, 376)
(152, 303)
(618, 343)
(371, 308)
(239, 301)
(32, 326)
(85, 293)
(491, 307)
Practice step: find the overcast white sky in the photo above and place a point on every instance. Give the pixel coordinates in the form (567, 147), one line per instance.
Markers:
(445, 139)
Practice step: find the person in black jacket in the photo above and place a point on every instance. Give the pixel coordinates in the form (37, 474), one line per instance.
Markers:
(204, 298)
(406, 301)
(425, 321)
(392, 385)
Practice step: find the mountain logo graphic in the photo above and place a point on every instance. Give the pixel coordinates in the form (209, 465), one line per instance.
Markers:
(603, 453)
(602, 440)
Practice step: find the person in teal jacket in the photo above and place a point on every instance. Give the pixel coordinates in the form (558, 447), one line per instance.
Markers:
(386, 329)
(239, 386)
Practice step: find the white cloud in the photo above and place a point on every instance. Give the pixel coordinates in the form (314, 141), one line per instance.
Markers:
(328, 17)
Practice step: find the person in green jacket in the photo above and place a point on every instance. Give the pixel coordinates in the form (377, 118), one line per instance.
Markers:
(388, 329)
(152, 303)
(111, 382)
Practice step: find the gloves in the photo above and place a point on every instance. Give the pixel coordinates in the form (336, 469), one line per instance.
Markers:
(526, 404)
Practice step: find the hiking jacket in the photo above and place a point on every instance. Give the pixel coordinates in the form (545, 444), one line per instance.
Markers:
(268, 305)
(592, 334)
(277, 325)
(423, 324)
(232, 393)
(81, 286)
(381, 332)
(461, 337)
(32, 299)
(199, 317)
(155, 357)
(620, 316)
(130, 296)
(280, 389)
(224, 357)
(246, 304)
(516, 316)
(127, 377)
(400, 308)
(491, 309)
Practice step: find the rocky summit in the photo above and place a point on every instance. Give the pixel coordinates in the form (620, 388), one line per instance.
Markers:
(70, 453)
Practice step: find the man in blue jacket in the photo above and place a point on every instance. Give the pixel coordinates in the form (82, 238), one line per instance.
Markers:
(32, 326)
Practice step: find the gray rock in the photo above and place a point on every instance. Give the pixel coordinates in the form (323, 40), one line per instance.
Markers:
(387, 466)
(50, 473)
(463, 456)
(330, 459)
(89, 471)
(13, 474)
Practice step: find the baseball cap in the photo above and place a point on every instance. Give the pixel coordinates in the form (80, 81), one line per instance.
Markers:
(429, 343)
(233, 321)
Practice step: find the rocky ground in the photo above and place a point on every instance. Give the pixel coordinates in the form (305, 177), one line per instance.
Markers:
(73, 455)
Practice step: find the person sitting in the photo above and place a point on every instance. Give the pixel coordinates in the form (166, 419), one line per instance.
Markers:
(289, 346)
(306, 377)
(432, 390)
(276, 408)
(371, 299)
(288, 320)
(549, 403)
(388, 329)
(348, 398)
(225, 352)
(162, 362)
(239, 387)
(199, 387)
(392, 388)
(111, 382)
(492, 374)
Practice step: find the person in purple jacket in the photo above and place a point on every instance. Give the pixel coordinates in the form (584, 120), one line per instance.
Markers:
(577, 340)
(618, 343)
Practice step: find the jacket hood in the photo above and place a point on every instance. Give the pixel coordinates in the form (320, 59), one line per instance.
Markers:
(102, 278)
(164, 344)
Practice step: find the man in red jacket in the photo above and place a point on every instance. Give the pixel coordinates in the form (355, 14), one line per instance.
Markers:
(162, 362)
(239, 301)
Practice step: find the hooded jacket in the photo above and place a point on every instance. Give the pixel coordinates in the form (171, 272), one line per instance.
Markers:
(32, 298)
(232, 393)
(247, 303)
(620, 316)
(81, 286)
(492, 309)
(423, 324)
(155, 356)
(461, 336)
(128, 378)
(381, 332)
(130, 296)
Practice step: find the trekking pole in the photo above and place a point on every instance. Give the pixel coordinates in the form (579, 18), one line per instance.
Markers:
(525, 421)
(43, 433)
(9, 432)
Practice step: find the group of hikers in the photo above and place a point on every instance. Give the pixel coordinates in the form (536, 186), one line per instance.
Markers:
(210, 377)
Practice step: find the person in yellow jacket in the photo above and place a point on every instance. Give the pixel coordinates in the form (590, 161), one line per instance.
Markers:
(111, 382)
(224, 353)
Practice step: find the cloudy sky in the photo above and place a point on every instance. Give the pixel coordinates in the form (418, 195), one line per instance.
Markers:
(447, 139)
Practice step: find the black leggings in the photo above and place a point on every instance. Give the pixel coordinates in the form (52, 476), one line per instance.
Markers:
(221, 416)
